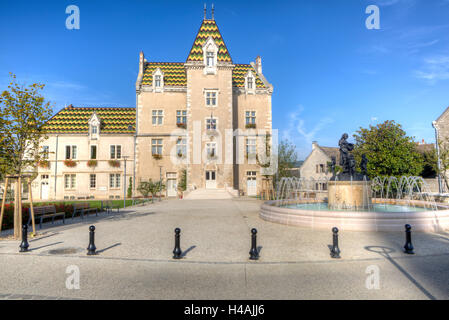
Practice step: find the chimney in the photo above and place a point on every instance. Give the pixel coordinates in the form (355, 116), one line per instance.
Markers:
(259, 65)
(141, 63)
(70, 106)
(314, 145)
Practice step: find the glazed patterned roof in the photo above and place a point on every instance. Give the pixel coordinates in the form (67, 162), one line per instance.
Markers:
(75, 120)
(239, 73)
(209, 29)
(174, 73)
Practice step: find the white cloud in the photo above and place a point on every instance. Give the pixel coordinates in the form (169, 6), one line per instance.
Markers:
(434, 69)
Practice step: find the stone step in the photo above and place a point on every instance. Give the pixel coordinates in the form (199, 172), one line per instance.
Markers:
(209, 194)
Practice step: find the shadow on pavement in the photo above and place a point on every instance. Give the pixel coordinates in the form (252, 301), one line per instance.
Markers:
(385, 252)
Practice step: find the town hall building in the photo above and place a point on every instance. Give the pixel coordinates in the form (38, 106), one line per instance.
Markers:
(206, 118)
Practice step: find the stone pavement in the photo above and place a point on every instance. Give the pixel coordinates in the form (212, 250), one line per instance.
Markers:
(135, 258)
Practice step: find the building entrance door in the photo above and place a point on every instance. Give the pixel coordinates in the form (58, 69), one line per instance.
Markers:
(211, 181)
(171, 184)
(44, 190)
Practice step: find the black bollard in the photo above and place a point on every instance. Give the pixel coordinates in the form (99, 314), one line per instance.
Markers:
(24, 244)
(91, 248)
(253, 253)
(177, 250)
(408, 247)
(335, 251)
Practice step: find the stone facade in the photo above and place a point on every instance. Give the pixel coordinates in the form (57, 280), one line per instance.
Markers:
(219, 124)
(315, 166)
(207, 116)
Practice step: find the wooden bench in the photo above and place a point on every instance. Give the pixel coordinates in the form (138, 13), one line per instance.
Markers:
(46, 212)
(82, 208)
(109, 205)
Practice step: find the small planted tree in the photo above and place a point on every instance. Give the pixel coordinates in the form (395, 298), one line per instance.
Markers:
(23, 114)
(150, 187)
(130, 188)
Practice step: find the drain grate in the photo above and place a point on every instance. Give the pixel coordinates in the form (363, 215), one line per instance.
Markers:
(64, 251)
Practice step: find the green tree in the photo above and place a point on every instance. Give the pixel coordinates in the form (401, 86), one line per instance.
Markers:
(287, 158)
(430, 164)
(390, 152)
(130, 188)
(150, 187)
(23, 113)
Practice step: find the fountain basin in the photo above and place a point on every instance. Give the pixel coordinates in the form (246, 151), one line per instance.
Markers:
(419, 217)
(349, 195)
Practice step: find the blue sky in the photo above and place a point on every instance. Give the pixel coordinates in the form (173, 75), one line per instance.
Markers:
(330, 73)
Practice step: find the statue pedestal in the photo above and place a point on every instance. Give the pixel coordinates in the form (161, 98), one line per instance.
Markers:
(349, 195)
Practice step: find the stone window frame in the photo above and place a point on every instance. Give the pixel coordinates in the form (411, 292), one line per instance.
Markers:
(94, 181)
(205, 92)
(73, 150)
(157, 143)
(70, 181)
(207, 119)
(251, 117)
(157, 114)
(115, 181)
(117, 155)
(181, 113)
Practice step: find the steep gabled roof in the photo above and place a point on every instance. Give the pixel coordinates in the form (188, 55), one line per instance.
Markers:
(174, 73)
(75, 120)
(331, 152)
(238, 75)
(209, 29)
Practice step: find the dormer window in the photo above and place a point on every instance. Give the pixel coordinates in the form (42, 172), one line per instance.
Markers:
(158, 80)
(250, 82)
(94, 127)
(210, 52)
(210, 59)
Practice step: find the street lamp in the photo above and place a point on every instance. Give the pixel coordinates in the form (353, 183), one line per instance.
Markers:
(124, 182)
(440, 184)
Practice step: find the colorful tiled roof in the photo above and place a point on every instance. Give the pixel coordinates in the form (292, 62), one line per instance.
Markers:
(75, 120)
(174, 73)
(239, 73)
(209, 29)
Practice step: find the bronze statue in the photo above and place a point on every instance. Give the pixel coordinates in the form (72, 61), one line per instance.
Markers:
(348, 163)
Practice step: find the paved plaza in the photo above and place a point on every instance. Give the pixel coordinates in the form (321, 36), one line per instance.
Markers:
(135, 247)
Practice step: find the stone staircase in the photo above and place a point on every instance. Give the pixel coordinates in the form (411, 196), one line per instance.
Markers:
(202, 193)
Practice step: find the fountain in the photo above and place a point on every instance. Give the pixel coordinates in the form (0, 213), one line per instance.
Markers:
(352, 201)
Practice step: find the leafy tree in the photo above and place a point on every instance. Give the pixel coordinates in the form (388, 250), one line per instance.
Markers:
(150, 187)
(130, 188)
(389, 150)
(287, 158)
(430, 164)
(23, 113)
